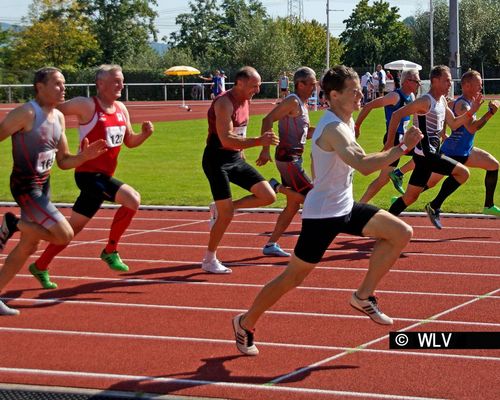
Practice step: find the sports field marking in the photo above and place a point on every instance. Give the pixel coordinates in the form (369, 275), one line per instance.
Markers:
(193, 382)
(56, 301)
(371, 342)
(133, 336)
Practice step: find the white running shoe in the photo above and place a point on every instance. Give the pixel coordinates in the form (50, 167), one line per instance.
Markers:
(213, 215)
(215, 267)
(244, 338)
(370, 308)
(5, 310)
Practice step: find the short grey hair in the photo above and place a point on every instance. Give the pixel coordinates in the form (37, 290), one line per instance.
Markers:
(105, 69)
(408, 73)
(303, 74)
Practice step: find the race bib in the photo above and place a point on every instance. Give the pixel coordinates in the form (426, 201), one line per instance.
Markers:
(45, 161)
(240, 131)
(115, 135)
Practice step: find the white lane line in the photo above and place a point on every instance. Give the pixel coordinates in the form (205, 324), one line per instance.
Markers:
(195, 382)
(371, 342)
(245, 285)
(134, 336)
(55, 301)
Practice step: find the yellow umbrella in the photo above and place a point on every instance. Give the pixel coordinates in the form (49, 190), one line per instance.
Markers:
(182, 71)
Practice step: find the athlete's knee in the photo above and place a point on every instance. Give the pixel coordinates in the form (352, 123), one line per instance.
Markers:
(268, 197)
(404, 233)
(461, 173)
(63, 236)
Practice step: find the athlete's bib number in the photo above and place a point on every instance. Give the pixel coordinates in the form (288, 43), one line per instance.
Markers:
(45, 161)
(115, 135)
(240, 131)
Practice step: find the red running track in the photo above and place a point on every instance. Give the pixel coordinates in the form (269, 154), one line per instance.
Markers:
(165, 327)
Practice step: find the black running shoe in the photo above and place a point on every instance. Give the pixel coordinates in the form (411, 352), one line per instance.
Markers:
(434, 216)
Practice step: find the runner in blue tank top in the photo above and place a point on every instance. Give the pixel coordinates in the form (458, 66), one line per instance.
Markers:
(391, 102)
(38, 141)
(460, 144)
(294, 130)
(430, 113)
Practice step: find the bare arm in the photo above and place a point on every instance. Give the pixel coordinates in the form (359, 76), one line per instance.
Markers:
(419, 106)
(457, 122)
(225, 129)
(19, 119)
(82, 107)
(286, 107)
(337, 137)
(131, 138)
(475, 124)
(388, 99)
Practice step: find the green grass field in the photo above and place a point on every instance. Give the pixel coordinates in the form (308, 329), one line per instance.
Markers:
(167, 170)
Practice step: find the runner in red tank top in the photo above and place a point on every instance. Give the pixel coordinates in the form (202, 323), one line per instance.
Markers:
(101, 117)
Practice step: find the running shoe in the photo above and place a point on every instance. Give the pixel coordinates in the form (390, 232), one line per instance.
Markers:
(7, 228)
(370, 308)
(42, 276)
(493, 210)
(215, 267)
(274, 250)
(397, 182)
(114, 261)
(5, 310)
(244, 338)
(434, 216)
(274, 184)
(213, 215)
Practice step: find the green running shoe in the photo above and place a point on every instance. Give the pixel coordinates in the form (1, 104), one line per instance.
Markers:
(42, 276)
(397, 181)
(493, 210)
(114, 261)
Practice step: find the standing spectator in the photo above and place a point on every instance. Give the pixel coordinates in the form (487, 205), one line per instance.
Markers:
(223, 162)
(381, 79)
(294, 129)
(366, 79)
(38, 140)
(283, 83)
(329, 209)
(100, 117)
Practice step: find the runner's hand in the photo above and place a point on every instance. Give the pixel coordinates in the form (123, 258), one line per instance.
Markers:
(93, 150)
(269, 138)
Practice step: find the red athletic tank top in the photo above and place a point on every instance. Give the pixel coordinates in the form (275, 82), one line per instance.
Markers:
(110, 127)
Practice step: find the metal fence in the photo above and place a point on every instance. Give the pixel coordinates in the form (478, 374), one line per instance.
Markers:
(192, 91)
(135, 91)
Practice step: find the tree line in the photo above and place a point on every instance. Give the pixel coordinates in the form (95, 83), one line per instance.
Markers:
(77, 35)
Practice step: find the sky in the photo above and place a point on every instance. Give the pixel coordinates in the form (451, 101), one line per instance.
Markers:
(11, 11)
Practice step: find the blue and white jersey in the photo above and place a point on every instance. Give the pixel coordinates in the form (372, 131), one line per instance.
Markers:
(461, 141)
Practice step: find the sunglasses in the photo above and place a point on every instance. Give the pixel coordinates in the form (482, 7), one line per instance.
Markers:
(416, 81)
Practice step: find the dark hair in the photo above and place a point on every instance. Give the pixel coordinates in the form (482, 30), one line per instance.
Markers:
(43, 75)
(245, 73)
(437, 71)
(335, 77)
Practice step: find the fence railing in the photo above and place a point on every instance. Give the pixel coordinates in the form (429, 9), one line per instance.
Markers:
(20, 93)
(135, 91)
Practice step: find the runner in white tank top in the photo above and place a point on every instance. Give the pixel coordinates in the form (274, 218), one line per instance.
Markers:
(335, 154)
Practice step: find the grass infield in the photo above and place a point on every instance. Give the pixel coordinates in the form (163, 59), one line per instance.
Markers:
(167, 170)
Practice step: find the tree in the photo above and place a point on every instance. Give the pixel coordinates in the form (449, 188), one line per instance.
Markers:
(375, 35)
(57, 34)
(122, 27)
(479, 33)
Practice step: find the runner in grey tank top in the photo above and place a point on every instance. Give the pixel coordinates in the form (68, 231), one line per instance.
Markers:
(38, 139)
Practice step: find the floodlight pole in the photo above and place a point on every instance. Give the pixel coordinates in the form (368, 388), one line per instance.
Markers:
(431, 22)
(328, 33)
